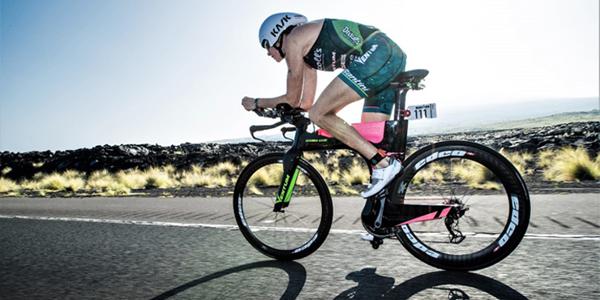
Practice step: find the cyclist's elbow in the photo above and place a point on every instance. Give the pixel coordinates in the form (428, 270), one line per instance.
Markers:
(306, 105)
(294, 102)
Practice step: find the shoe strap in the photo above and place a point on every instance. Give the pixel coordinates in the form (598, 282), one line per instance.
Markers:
(381, 154)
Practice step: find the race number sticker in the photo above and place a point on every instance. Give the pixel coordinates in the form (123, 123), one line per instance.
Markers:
(423, 111)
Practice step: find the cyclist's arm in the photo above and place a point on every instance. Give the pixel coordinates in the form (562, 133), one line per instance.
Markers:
(309, 88)
(295, 77)
(296, 69)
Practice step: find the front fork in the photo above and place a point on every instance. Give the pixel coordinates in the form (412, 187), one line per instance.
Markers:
(288, 180)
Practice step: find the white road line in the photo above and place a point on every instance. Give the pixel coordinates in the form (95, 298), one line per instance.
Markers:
(113, 221)
(585, 237)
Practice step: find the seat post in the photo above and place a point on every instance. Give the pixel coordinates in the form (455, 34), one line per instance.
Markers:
(400, 104)
(399, 125)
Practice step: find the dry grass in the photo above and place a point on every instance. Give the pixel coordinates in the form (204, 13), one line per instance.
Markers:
(312, 156)
(521, 160)
(475, 175)
(7, 185)
(255, 191)
(342, 153)
(467, 172)
(106, 184)
(330, 176)
(269, 176)
(356, 174)
(545, 158)
(565, 165)
(5, 171)
(132, 179)
(211, 177)
(223, 169)
(347, 190)
(160, 178)
(121, 183)
(433, 173)
(570, 164)
(69, 181)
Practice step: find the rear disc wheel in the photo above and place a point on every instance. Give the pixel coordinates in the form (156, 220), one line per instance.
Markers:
(492, 204)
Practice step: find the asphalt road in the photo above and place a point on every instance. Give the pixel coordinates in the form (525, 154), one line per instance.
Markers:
(135, 248)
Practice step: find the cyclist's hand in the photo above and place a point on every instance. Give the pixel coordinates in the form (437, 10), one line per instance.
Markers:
(248, 103)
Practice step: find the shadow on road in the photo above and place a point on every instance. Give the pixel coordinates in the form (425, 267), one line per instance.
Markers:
(373, 286)
(296, 273)
(452, 285)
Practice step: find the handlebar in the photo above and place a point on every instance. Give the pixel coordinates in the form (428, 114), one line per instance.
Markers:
(284, 111)
(255, 128)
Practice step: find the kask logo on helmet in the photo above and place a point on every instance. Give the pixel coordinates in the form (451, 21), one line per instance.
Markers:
(280, 26)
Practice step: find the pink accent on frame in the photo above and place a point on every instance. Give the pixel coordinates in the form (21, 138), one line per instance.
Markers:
(371, 131)
(427, 217)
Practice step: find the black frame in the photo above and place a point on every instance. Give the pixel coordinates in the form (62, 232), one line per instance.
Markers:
(394, 140)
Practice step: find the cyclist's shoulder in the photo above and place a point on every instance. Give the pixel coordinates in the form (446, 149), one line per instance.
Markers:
(341, 24)
(306, 32)
(308, 27)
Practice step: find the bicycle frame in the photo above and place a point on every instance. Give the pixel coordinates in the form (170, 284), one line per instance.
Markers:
(393, 210)
(393, 141)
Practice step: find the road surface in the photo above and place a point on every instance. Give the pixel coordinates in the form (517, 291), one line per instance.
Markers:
(189, 248)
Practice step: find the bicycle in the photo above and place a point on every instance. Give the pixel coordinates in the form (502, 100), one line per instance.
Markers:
(435, 206)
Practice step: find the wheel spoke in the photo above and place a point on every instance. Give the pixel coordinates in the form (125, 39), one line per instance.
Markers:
(300, 220)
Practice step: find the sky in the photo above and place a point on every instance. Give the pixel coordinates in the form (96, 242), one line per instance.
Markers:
(77, 73)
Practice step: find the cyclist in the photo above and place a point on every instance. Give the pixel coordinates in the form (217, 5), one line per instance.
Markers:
(370, 61)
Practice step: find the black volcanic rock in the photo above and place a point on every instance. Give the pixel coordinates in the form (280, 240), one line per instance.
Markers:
(18, 166)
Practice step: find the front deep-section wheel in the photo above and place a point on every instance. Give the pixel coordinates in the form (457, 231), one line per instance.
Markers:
(300, 228)
(490, 206)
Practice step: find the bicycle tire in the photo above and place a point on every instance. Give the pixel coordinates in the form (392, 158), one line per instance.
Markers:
(491, 240)
(259, 224)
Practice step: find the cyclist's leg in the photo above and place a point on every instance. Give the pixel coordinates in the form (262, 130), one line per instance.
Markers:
(365, 77)
(379, 107)
(373, 117)
(336, 96)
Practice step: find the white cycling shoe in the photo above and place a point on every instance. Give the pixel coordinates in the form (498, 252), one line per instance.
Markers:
(367, 237)
(381, 177)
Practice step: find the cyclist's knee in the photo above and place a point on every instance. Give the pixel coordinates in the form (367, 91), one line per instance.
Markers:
(315, 115)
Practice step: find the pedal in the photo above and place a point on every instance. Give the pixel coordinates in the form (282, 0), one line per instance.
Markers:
(376, 242)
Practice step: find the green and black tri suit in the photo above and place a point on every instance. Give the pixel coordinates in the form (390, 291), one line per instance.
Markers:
(371, 60)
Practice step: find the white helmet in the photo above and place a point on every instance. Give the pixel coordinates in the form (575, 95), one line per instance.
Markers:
(273, 26)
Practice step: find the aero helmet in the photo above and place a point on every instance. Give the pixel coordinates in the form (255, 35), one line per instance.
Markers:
(273, 26)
